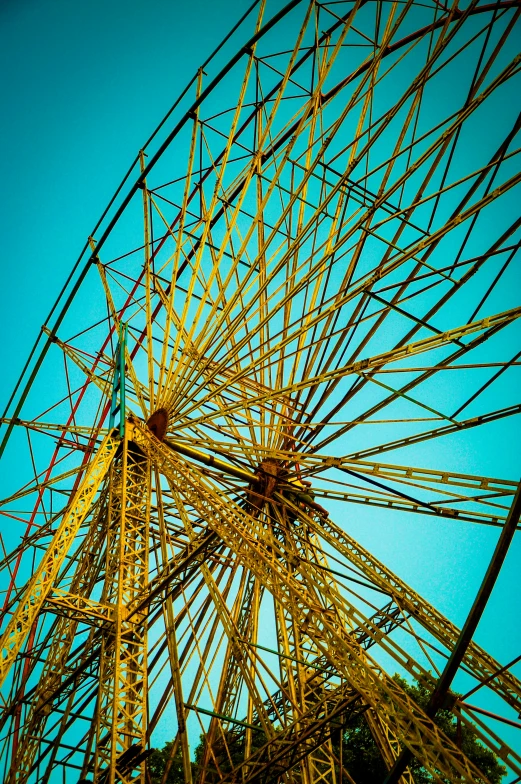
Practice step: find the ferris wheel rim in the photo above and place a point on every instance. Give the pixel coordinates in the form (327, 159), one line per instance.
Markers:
(455, 15)
(263, 504)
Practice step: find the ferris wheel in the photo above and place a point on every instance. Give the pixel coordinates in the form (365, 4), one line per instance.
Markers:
(300, 309)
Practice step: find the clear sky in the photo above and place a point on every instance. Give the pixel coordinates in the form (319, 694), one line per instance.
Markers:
(83, 85)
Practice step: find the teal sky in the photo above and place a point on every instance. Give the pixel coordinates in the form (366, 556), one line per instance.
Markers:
(83, 86)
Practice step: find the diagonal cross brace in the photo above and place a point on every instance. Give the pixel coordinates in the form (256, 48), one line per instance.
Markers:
(42, 581)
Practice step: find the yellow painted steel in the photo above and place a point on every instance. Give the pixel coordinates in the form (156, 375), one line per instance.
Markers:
(74, 608)
(42, 582)
(290, 246)
(476, 659)
(242, 534)
(122, 697)
(427, 344)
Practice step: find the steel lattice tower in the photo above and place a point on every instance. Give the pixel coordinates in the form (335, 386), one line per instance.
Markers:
(302, 295)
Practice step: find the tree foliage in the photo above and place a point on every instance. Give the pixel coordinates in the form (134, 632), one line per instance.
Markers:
(360, 755)
(157, 763)
(363, 762)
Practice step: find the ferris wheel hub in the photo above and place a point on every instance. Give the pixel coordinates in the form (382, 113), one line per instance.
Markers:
(266, 479)
(158, 423)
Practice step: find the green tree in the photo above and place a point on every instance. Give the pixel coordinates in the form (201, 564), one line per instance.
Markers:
(158, 761)
(233, 748)
(363, 762)
(360, 755)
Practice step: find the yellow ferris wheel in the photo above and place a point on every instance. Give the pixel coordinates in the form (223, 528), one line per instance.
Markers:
(301, 297)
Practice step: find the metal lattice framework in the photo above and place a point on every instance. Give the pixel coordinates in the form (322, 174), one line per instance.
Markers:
(304, 285)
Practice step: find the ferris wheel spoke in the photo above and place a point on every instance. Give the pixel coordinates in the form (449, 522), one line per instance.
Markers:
(307, 256)
(181, 223)
(170, 379)
(440, 303)
(405, 473)
(473, 343)
(486, 384)
(222, 165)
(278, 346)
(230, 628)
(493, 490)
(274, 180)
(138, 387)
(293, 595)
(322, 315)
(406, 505)
(479, 662)
(210, 368)
(481, 419)
(491, 323)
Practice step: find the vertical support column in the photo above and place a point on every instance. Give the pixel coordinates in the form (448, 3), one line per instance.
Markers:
(122, 703)
(168, 612)
(118, 384)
